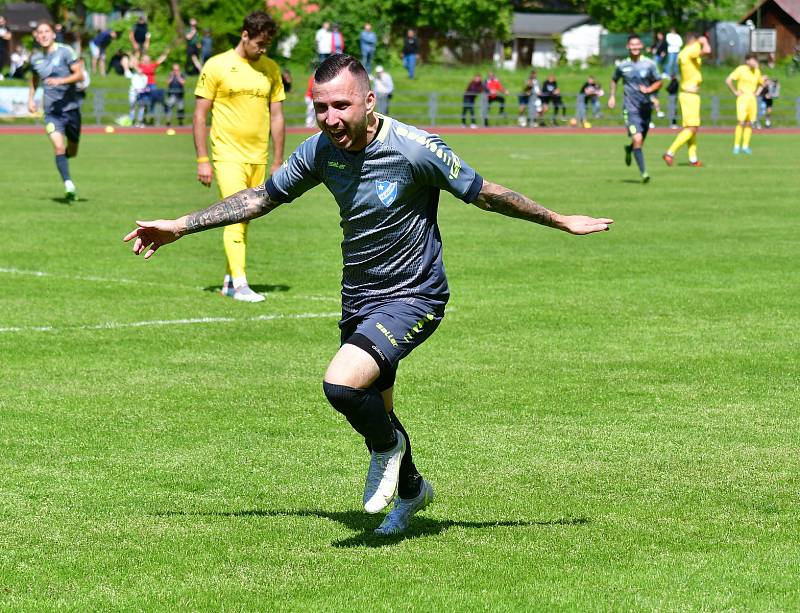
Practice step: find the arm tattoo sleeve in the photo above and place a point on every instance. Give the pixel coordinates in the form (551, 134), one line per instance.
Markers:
(242, 206)
(513, 204)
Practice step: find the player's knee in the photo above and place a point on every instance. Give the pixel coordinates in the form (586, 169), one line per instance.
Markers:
(343, 398)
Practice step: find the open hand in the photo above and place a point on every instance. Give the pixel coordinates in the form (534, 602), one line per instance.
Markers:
(150, 235)
(582, 224)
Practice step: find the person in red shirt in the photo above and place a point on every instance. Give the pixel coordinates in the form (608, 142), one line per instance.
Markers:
(497, 93)
(148, 67)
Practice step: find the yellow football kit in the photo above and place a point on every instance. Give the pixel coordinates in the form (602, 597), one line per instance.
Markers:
(241, 92)
(689, 62)
(747, 81)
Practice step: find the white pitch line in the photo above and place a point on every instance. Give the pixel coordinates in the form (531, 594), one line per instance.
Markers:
(114, 325)
(95, 279)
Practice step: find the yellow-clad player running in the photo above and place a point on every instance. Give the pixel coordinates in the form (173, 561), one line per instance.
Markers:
(244, 92)
(689, 61)
(749, 83)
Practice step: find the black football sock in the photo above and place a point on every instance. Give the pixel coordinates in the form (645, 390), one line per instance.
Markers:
(637, 153)
(410, 481)
(365, 411)
(63, 167)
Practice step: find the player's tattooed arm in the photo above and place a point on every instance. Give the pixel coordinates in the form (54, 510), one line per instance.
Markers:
(498, 199)
(248, 204)
(241, 206)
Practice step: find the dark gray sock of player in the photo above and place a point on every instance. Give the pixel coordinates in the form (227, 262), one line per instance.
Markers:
(637, 153)
(63, 167)
(365, 411)
(410, 480)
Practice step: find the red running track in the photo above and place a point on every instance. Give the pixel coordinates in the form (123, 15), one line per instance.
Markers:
(35, 129)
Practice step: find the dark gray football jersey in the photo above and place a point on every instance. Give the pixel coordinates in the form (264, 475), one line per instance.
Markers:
(388, 197)
(57, 98)
(633, 75)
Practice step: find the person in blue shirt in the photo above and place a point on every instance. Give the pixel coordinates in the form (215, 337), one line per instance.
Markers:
(59, 71)
(386, 178)
(98, 46)
(369, 42)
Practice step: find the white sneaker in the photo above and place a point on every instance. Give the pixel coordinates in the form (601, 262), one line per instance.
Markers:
(398, 519)
(245, 294)
(382, 476)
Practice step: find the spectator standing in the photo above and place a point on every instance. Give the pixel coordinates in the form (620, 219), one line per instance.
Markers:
(410, 52)
(140, 37)
(551, 94)
(384, 89)
(206, 46)
(659, 51)
(497, 93)
(324, 41)
(770, 91)
(530, 94)
(674, 45)
(672, 91)
(175, 94)
(5, 41)
(192, 37)
(337, 39)
(474, 89)
(311, 117)
(98, 46)
(20, 63)
(368, 41)
(59, 30)
(589, 96)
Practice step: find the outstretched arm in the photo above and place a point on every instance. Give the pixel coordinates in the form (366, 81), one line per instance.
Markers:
(498, 199)
(242, 206)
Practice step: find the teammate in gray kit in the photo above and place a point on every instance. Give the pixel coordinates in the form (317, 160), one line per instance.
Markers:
(640, 79)
(58, 68)
(386, 178)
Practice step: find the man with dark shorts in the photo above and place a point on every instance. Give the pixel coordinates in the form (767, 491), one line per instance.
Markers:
(640, 79)
(386, 177)
(58, 68)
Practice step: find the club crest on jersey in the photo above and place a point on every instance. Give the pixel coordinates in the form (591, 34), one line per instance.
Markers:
(387, 191)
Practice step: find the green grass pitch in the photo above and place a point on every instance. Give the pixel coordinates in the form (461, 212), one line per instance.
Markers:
(610, 422)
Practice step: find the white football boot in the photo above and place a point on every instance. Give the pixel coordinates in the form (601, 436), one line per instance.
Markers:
(398, 519)
(382, 476)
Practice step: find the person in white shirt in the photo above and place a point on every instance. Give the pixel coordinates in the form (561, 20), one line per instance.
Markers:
(674, 44)
(383, 85)
(324, 39)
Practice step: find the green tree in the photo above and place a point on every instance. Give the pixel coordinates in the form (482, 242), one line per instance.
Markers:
(638, 15)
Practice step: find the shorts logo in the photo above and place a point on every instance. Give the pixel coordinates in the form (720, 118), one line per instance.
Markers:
(387, 191)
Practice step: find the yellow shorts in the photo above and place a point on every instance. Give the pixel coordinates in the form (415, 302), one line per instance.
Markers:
(690, 109)
(746, 108)
(233, 177)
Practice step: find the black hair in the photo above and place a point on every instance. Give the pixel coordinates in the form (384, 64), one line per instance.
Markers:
(750, 56)
(338, 62)
(632, 36)
(259, 23)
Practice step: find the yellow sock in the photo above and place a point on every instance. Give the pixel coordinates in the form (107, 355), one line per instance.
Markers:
(693, 148)
(680, 140)
(737, 139)
(234, 238)
(747, 133)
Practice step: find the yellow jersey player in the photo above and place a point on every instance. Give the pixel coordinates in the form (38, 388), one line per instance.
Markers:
(244, 92)
(689, 61)
(749, 83)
